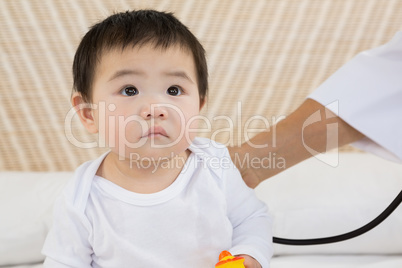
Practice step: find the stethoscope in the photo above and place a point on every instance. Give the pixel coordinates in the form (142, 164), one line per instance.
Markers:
(333, 239)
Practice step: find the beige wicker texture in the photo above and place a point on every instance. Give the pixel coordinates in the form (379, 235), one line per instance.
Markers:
(265, 56)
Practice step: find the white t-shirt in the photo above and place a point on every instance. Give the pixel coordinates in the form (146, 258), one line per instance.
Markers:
(207, 209)
(367, 94)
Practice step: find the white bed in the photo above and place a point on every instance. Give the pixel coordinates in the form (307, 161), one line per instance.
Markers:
(306, 201)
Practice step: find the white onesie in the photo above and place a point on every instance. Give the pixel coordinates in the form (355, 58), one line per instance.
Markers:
(207, 209)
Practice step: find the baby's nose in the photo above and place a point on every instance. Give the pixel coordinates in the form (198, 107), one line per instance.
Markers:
(154, 111)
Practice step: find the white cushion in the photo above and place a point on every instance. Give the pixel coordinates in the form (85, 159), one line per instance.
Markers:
(314, 200)
(26, 204)
(307, 201)
(336, 261)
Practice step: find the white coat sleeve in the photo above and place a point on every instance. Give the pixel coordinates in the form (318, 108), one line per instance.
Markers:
(252, 225)
(67, 242)
(367, 94)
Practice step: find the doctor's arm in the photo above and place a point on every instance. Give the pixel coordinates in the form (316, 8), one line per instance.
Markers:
(294, 142)
(367, 93)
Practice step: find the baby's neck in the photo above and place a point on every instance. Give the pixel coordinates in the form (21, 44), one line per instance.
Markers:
(142, 176)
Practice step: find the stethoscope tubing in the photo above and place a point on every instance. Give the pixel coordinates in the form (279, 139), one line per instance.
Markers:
(338, 238)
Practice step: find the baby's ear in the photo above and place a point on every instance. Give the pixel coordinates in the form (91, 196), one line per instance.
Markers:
(84, 111)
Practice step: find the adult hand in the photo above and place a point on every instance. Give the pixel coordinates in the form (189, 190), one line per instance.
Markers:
(294, 142)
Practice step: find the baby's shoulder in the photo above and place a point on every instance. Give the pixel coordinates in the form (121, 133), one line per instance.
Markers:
(214, 156)
(209, 148)
(77, 190)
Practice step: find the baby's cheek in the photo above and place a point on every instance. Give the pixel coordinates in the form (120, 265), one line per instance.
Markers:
(195, 125)
(117, 130)
(101, 125)
(192, 125)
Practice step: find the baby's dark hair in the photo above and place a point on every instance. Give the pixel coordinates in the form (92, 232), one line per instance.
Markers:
(135, 28)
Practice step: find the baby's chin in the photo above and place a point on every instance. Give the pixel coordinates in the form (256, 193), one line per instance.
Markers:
(155, 153)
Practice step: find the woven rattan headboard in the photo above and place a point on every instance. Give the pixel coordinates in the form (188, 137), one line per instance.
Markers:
(264, 57)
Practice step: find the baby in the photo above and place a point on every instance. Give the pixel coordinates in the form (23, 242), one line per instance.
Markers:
(160, 197)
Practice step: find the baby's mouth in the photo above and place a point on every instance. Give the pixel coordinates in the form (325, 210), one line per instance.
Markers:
(155, 131)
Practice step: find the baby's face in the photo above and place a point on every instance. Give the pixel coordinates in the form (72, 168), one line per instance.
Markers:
(145, 98)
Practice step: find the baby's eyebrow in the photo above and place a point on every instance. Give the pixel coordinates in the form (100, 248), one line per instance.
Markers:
(180, 74)
(124, 72)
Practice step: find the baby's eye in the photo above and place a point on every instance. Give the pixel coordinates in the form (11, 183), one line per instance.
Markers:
(129, 91)
(174, 91)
